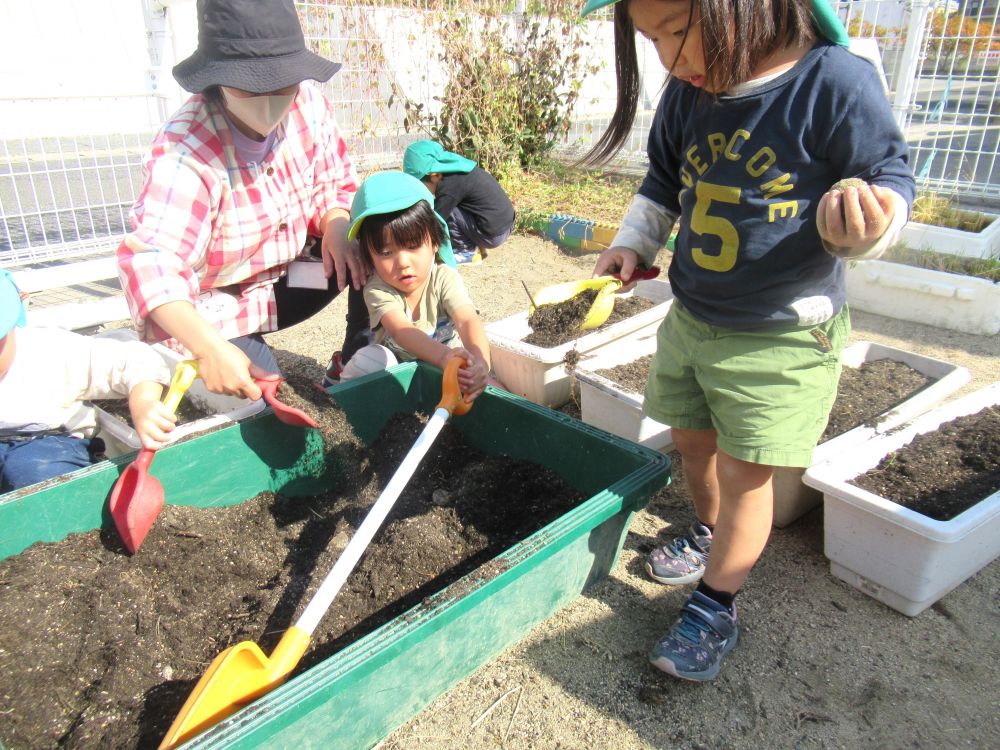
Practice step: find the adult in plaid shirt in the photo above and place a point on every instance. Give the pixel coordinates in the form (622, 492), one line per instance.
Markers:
(248, 175)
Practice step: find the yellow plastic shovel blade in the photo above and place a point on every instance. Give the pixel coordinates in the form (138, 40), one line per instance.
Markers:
(235, 678)
(602, 306)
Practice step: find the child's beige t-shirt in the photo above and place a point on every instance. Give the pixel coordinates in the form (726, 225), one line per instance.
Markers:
(443, 293)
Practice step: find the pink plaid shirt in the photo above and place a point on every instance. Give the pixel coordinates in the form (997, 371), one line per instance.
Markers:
(218, 233)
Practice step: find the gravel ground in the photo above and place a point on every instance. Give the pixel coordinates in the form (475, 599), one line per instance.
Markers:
(819, 665)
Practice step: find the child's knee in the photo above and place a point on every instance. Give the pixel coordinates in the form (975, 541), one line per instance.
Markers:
(368, 359)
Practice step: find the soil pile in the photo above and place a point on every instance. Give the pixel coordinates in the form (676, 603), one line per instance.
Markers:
(556, 324)
(942, 473)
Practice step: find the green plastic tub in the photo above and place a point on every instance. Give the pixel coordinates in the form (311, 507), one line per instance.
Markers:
(356, 697)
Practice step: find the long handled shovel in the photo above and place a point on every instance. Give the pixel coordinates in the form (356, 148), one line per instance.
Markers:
(242, 673)
(137, 497)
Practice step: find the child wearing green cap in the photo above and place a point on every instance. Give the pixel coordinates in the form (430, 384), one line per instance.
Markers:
(478, 212)
(46, 374)
(417, 302)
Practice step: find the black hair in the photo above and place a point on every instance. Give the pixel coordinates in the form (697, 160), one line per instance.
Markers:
(762, 27)
(409, 227)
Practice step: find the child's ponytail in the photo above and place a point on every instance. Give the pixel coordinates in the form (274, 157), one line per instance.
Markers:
(629, 84)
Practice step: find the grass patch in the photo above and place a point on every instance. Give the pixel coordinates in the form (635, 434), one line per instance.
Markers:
(557, 189)
(941, 211)
(983, 268)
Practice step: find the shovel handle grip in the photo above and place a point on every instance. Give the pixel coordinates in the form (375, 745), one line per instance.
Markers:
(451, 395)
(639, 275)
(184, 375)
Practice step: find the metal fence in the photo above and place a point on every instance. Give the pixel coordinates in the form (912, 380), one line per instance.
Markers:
(74, 128)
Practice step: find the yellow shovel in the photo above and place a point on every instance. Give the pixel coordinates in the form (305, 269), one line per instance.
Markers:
(604, 304)
(242, 673)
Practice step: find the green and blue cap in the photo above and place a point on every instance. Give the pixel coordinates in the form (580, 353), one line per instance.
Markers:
(422, 158)
(827, 20)
(12, 312)
(388, 192)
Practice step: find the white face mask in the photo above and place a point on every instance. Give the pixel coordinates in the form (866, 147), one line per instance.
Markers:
(261, 113)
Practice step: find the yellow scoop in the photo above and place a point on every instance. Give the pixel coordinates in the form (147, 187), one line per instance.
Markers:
(602, 307)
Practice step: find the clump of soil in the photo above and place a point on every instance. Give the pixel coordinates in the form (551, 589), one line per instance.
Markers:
(99, 649)
(942, 473)
(558, 323)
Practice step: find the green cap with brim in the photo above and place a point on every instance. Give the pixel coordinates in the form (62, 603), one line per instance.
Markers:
(826, 19)
(388, 192)
(422, 158)
(12, 311)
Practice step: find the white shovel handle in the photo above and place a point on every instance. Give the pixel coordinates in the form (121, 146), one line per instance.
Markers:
(348, 559)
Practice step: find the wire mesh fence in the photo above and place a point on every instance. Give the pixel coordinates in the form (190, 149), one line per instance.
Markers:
(73, 135)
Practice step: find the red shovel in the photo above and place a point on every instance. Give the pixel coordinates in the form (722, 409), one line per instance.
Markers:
(284, 412)
(137, 497)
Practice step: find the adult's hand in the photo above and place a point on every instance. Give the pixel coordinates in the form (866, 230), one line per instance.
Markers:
(341, 256)
(223, 366)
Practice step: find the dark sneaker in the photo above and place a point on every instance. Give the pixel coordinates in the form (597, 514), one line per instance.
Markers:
(333, 371)
(695, 645)
(682, 560)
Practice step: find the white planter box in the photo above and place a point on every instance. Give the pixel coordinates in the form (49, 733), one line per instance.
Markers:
(903, 558)
(946, 300)
(606, 404)
(792, 498)
(984, 244)
(120, 438)
(538, 373)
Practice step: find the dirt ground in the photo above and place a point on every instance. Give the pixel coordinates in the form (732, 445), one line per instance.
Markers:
(819, 665)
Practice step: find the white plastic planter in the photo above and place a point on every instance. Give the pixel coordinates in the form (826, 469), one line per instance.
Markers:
(946, 300)
(606, 404)
(792, 498)
(903, 558)
(539, 374)
(120, 438)
(984, 244)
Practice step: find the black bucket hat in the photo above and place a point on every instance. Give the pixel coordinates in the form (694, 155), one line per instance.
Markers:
(251, 45)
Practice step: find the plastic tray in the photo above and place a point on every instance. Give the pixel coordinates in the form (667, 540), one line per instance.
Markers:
(792, 498)
(605, 404)
(539, 374)
(898, 556)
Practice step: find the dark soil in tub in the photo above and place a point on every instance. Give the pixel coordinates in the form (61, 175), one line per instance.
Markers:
(942, 473)
(559, 323)
(100, 650)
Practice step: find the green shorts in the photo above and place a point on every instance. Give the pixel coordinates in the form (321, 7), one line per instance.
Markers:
(767, 394)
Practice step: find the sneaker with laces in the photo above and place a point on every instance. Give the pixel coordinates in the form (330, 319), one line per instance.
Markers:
(683, 559)
(703, 634)
(471, 257)
(332, 375)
